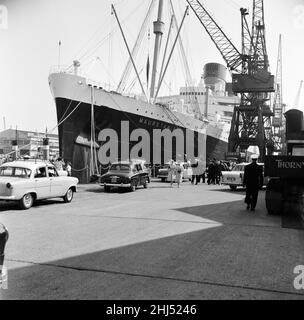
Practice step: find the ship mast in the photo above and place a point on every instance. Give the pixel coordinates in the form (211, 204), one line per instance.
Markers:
(158, 29)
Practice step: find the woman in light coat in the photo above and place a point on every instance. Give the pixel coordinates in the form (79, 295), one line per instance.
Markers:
(171, 172)
(179, 171)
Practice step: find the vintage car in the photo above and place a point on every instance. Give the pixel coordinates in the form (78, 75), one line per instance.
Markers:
(27, 181)
(163, 173)
(125, 174)
(234, 178)
(147, 169)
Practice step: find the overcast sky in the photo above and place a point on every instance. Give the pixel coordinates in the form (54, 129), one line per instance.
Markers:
(29, 47)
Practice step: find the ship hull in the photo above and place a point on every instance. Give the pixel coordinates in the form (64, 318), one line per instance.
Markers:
(75, 136)
(77, 103)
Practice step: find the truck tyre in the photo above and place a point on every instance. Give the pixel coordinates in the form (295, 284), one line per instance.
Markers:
(26, 201)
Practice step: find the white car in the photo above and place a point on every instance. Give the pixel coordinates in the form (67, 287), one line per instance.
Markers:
(235, 177)
(27, 181)
(163, 173)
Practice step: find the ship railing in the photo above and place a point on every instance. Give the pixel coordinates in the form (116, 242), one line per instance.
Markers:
(68, 70)
(63, 69)
(220, 121)
(80, 73)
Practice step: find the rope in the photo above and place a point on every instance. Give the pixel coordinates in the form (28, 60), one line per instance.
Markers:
(22, 147)
(66, 110)
(59, 123)
(78, 170)
(94, 163)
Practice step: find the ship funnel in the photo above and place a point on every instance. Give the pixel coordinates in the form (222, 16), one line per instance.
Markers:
(215, 77)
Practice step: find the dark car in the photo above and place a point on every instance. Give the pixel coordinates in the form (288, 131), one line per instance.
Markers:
(125, 174)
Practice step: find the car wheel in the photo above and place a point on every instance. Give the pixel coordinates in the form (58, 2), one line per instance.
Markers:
(107, 189)
(26, 202)
(133, 186)
(68, 196)
(233, 188)
(163, 179)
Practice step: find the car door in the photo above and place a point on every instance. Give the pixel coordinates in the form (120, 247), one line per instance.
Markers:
(57, 183)
(141, 174)
(135, 175)
(42, 182)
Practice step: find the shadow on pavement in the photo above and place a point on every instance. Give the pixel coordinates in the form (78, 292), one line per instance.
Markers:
(13, 206)
(100, 189)
(215, 262)
(8, 206)
(237, 191)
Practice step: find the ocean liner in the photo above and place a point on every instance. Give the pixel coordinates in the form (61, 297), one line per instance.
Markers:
(97, 126)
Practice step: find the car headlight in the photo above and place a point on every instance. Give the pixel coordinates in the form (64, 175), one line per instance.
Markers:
(9, 186)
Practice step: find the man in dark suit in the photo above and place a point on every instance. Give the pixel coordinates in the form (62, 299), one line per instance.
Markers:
(253, 180)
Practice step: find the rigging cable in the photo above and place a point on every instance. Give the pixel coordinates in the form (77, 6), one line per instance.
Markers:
(92, 50)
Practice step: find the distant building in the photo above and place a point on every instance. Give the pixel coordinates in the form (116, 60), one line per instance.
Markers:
(29, 142)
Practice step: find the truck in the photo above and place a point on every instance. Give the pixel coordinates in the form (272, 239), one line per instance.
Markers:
(285, 189)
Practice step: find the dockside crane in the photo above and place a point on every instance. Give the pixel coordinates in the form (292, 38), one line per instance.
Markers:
(251, 123)
(278, 121)
(298, 96)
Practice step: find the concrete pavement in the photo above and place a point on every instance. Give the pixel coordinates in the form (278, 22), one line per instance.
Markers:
(196, 242)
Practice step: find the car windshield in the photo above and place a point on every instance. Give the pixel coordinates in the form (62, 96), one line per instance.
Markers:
(238, 168)
(15, 172)
(120, 167)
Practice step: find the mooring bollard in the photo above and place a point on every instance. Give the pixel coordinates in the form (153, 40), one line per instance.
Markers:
(3, 240)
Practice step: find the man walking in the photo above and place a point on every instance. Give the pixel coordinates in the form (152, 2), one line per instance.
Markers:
(194, 166)
(253, 180)
(211, 172)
